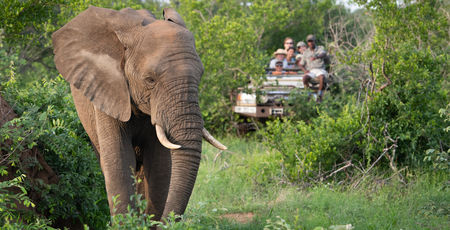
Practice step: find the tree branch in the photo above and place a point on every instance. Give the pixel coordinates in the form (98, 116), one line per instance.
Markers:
(201, 15)
(238, 69)
(389, 82)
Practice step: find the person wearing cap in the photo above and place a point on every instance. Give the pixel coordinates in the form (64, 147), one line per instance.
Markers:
(313, 65)
(301, 47)
(288, 42)
(278, 68)
(280, 55)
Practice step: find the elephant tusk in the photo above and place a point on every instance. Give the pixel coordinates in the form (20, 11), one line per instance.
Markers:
(163, 139)
(208, 137)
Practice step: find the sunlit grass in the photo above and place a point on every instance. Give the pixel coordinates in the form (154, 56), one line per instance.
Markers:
(233, 183)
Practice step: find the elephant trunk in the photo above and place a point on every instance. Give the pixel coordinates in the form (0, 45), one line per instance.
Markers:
(185, 165)
(183, 125)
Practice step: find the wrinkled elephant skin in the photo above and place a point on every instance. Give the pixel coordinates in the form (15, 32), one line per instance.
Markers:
(134, 82)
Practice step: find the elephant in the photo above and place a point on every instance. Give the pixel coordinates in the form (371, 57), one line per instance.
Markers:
(134, 81)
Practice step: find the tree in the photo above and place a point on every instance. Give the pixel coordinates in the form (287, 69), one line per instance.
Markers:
(408, 83)
(348, 36)
(26, 27)
(305, 17)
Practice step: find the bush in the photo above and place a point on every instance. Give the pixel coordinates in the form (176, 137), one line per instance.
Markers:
(398, 115)
(309, 150)
(304, 107)
(48, 119)
(439, 159)
(135, 218)
(10, 216)
(410, 106)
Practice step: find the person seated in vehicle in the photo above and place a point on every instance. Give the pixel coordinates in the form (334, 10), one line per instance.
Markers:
(291, 58)
(280, 71)
(280, 55)
(278, 68)
(301, 47)
(288, 42)
(313, 59)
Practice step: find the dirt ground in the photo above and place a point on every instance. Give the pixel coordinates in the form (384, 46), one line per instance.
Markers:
(242, 218)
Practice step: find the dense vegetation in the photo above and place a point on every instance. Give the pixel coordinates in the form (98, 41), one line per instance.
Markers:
(380, 137)
(396, 112)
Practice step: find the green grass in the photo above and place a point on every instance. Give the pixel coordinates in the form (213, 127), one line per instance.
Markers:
(245, 180)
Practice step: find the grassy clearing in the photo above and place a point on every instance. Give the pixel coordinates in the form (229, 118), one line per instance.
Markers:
(235, 190)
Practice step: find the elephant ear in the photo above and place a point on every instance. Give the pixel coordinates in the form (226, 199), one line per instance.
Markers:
(171, 15)
(89, 53)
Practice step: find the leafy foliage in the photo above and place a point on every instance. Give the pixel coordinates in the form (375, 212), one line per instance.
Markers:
(20, 20)
(439, 158)
(135, 218)
(27, 27)
(305, 17)
(48, 118)
(409, 62)
(9, 200)
(398, 113)
(398, 117)
(13, 217)
(309, 150)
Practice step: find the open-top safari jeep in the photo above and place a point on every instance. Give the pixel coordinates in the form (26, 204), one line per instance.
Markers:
(269, 99)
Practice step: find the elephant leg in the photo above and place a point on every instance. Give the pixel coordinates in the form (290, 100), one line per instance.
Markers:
(86, 113)
(117, 160)
(157, 171)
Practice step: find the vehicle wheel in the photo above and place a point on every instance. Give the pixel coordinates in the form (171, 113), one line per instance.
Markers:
(245, 127)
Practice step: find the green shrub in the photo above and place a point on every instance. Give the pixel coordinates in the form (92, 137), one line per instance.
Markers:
(409, 59)
(10, 216)
(397, 117)
(135, 218)
(409, 108)
(311, 149)
(304, 107)
(48, 119)
(439, 159)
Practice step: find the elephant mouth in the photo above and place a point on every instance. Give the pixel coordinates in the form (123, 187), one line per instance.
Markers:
(206, 135)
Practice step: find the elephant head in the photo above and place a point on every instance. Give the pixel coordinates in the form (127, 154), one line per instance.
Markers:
(127, 60)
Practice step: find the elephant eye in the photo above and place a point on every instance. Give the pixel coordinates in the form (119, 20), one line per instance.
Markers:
(151, 82)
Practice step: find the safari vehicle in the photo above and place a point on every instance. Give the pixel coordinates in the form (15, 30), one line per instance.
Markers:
(269, 99)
